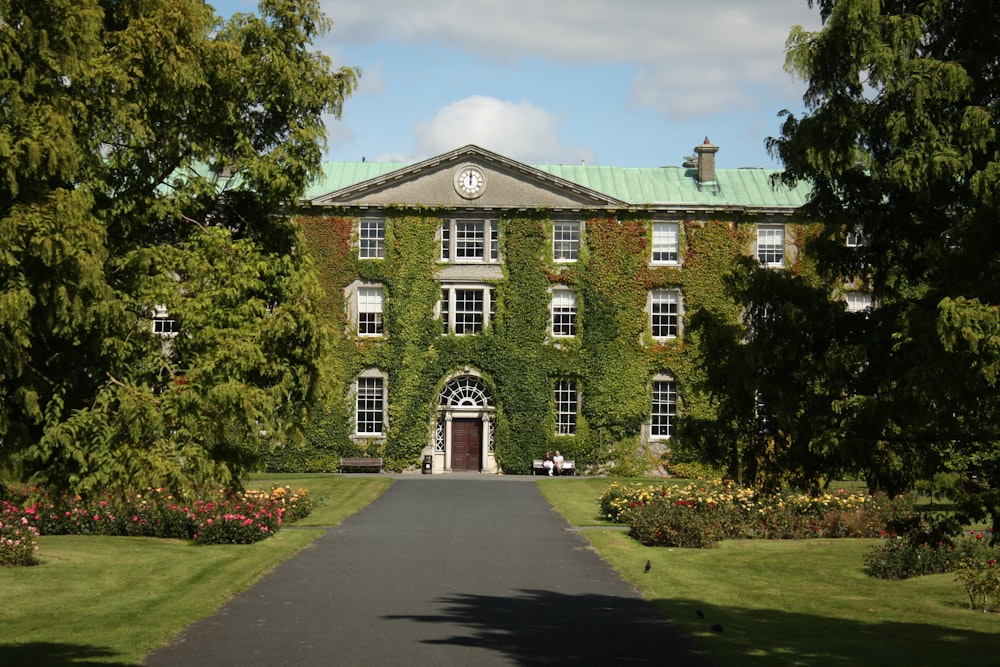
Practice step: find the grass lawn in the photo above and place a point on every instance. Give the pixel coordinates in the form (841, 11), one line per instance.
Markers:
(112, 600)
(791, 602)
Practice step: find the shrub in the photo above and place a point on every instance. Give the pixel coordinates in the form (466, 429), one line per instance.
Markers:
(926, 549)
(692, 470)
(18, 543)
(980, 578)
(724, 510)
(900, 558)
(206, 516)
(668, 523)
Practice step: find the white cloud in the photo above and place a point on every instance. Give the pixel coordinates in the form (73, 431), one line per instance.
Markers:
(515, 129)
(690, 58)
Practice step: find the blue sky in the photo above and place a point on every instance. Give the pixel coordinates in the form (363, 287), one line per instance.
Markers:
(630, 83)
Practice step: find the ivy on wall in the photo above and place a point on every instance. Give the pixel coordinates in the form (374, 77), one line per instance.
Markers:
(612, 359)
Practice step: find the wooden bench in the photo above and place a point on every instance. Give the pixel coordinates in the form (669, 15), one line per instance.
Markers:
(568, 468)
(360, 462)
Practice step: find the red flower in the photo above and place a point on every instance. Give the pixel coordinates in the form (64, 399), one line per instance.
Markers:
(979, 536)
(993, 561)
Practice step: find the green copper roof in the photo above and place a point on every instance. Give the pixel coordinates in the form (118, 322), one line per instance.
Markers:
(340, 175)
(751, 188)
(638, 186)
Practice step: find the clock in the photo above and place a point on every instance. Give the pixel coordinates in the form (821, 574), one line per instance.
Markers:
(470, 181)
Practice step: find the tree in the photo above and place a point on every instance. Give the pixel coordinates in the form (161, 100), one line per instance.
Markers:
(146, 153)
(899, 142)
(774, 376)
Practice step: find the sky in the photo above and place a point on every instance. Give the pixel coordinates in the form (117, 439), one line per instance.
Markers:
(627, 83)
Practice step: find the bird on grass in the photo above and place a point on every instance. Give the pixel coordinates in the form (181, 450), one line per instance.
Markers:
(716, 627)
(649, 566)
(699, 613)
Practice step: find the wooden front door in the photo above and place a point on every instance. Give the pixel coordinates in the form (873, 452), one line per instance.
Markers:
(466, 444)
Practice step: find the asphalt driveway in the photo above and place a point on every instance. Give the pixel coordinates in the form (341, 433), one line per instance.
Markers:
(440, 570)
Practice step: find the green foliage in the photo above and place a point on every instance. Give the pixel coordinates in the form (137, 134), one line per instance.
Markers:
(668, 523)
(980, 578)
(693, 470)
(118, 124)
(900, 139)
(921, 547)
(612, 359)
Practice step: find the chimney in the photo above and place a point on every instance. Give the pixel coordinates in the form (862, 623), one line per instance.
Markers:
(706, 161)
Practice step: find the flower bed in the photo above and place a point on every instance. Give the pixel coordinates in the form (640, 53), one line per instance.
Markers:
(207, 517)
(703, 512)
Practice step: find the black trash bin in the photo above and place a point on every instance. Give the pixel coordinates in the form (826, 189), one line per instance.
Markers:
(428, 464)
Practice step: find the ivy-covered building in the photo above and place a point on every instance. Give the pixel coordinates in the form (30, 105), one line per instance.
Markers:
(486, 311)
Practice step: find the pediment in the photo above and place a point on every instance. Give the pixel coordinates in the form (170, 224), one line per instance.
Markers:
(432, 183)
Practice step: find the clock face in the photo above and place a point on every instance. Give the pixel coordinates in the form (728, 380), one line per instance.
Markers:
(470, 181)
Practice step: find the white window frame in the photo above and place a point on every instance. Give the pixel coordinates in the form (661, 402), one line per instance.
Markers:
(665, 304)
(663, 413)
(856, 238)
(163, 324)
(371, 238)
(666, 243)
(771, 245)
(477, 239)
(455, 296)
(566, 241)
(567, 401)
(370, 403)
(857, 301)
(562, 313)
(370, 302)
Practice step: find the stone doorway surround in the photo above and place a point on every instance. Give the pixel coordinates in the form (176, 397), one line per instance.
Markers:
(464, 398)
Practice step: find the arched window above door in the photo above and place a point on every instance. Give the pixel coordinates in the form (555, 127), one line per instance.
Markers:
(466, 391)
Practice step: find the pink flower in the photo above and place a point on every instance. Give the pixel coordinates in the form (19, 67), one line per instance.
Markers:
(97, 517)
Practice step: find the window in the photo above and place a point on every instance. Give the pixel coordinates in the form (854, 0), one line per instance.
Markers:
(370, 415)
(470, 240)
(370, 311)
(567, 403)
(771, 245)
(858, 301)
(855, 238)
(664, 308)
(664, 409)
(465, 310)
(563, 313)
(163, 324)
(371, 238)
(665, 243)
(566, 241)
